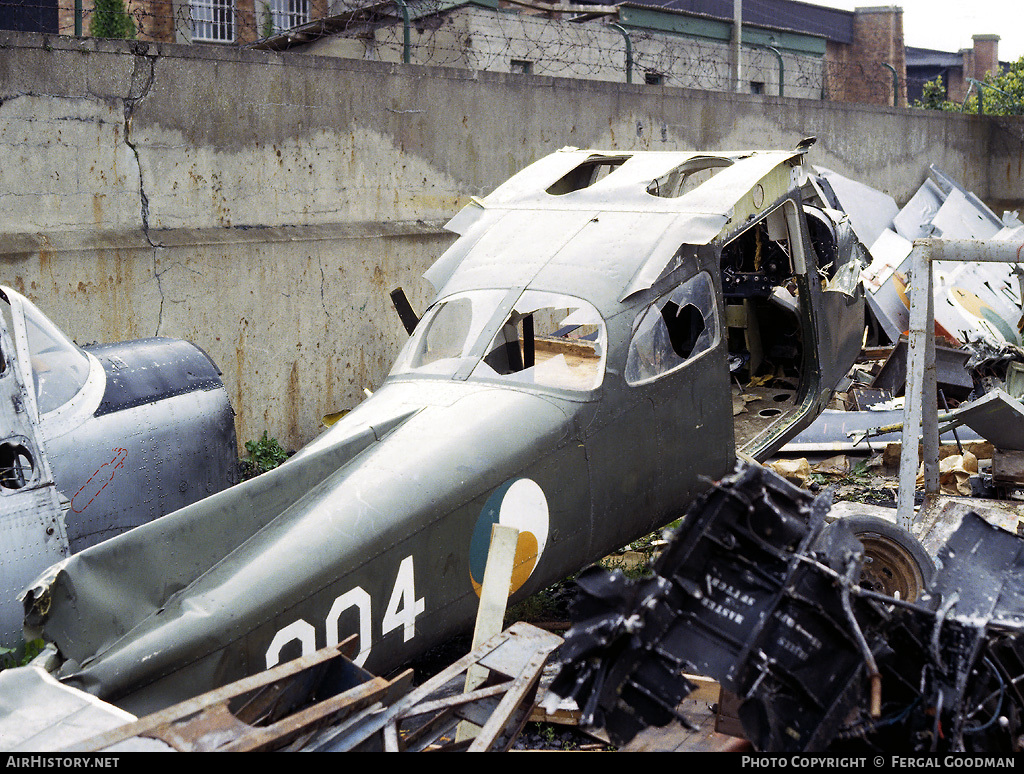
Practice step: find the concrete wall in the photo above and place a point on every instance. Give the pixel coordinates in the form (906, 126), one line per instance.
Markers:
(263, 205)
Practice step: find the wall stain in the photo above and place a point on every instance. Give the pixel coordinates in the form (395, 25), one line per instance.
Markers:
(294, 395)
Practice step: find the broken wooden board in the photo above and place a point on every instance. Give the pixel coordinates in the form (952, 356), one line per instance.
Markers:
(1008, 465)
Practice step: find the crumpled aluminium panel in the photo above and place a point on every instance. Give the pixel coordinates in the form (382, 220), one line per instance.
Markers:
(970, 299)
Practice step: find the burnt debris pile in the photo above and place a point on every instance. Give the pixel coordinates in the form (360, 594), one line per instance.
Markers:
(759, 592)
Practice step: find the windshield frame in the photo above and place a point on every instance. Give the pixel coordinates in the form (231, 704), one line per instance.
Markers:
(498, 307)
(20, 313)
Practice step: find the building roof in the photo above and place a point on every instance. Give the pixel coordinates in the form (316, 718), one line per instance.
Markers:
(927, 57)
(830, 23)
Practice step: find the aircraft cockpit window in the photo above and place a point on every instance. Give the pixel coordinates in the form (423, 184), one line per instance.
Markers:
(442, 340)
(549, 340)
(586, 174)
(16, 466)
(59, 368)
(688, 176)
(674, 330)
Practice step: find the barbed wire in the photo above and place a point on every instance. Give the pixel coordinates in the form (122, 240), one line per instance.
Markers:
(526, 39)
(476, 38)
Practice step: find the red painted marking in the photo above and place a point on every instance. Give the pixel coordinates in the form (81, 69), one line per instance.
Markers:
(120, 455)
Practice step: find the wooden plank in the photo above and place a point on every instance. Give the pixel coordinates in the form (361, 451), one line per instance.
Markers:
(1008, 465)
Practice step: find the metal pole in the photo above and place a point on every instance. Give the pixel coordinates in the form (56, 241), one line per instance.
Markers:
(737, 44)
(629, 50)
(78, 18)
(407, 36)
(914, 399)
(982, 85)
(895, 84)
(782, 69)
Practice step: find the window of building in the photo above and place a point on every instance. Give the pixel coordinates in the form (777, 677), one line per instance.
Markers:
(757, 87)
(288, 13)
(652, 78)
(213, 21)
(37, 16)
(523, 66)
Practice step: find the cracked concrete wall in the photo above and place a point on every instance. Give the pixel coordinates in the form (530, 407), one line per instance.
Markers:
(263, 205)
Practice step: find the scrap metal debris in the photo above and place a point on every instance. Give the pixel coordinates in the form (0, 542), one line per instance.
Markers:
(744, 278)
(39, 714)
(971, 300)
(977, 308)
(97, 440)
(758, 593)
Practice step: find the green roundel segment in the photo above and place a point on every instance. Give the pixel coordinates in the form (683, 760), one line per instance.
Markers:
(518, 503)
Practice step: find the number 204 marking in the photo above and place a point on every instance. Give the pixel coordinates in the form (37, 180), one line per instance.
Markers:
(402, 609)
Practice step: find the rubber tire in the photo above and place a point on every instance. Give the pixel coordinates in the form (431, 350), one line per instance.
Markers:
(894, 560)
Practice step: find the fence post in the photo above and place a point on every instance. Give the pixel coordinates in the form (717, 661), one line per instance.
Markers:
(782, 69)
(406, 34)
(895, 84)
(629, 50)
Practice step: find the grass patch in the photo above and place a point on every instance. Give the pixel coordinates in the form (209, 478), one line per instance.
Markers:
(263, 455)
(21, 655)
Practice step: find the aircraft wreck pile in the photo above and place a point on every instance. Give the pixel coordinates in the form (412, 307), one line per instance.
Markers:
(579, 341)
(977, 318)
(99, 439)
(610, 332)
(847, 634)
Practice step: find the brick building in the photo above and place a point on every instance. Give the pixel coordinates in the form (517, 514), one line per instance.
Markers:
(924, 64)
(859, 44)
(791, 47)
(190, 21)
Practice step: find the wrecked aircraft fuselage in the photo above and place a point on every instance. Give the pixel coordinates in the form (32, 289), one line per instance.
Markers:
(573, 379)
(98, 440)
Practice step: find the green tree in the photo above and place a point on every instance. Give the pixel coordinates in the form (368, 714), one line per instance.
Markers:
(110, 19)
(933, 96)
(1005, 97)
(1002, 93)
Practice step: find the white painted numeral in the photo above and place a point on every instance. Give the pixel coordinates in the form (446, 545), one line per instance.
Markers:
(403, 594)
(360, 599)
(402, 610)
(295, 631)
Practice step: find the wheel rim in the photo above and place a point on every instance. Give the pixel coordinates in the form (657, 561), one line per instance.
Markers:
(889, 568)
